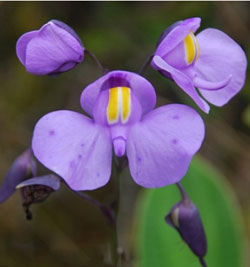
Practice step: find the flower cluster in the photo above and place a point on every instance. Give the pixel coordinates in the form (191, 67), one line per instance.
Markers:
(122, 120)
(159, 143)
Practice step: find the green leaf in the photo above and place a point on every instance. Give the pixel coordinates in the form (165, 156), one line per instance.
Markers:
(159, 245)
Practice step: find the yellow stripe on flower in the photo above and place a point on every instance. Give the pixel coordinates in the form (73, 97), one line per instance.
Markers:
(113, 105)
(126, 105)
(119, 105)
(190, 48)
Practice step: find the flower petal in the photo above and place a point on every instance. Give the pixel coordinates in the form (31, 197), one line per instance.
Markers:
(161, 146)
(74, 147)
(207, 85)
(50, 49)
(220, 56)
(22, 44)
(22, 168)
(49, 180)
(182, 80)
(141, 88)
(174, 37)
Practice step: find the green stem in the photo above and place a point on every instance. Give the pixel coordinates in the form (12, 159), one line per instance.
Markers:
(120, 164)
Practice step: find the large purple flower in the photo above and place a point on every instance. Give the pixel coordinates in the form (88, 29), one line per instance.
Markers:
(159, 143)
(52, 49)
(210, 61)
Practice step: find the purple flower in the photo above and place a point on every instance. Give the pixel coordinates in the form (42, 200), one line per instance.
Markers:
(159, 143)
(52, 49)
(185, 218)
(22, 174)
(210, 61)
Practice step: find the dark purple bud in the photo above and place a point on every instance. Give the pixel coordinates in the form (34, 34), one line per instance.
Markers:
(167, 31)
(185, 218)
(23, 168)
(52, 49)
(37, 189)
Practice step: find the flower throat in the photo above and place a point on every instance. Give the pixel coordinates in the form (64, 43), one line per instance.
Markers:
(119, 105)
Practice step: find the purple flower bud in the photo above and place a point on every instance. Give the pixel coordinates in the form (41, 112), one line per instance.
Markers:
(185, 218)
(22, 175)
(52, 49)
(24, 167)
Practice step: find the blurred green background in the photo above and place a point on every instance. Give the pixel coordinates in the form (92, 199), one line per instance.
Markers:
(67, 230)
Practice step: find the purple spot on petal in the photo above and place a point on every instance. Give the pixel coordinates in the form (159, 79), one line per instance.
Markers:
(52, 132)
(176, 117)
(82, 144)
(175, 141)
(79, 156)
(97, 174)
(139, 159)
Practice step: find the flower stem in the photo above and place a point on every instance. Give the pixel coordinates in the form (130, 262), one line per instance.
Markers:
(146, 63)
(106, 210)
(184, 195)
(203, 263)
(95, 59)
(115, 206)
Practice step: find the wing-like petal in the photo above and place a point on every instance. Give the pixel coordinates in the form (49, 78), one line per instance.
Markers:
(182, 80)
(220, 56)
(161, 146)
(74, 147)
(49, 180)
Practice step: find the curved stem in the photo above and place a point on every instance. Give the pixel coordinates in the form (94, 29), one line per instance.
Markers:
(146, 63)
(203, 263)
(106, 211)
(95, 59)
(184, 195)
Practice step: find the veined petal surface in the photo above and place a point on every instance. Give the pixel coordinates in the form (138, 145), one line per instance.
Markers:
(220, 56)
(74, 147)
(161, 146)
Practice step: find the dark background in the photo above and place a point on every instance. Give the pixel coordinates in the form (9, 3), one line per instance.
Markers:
(67, 230)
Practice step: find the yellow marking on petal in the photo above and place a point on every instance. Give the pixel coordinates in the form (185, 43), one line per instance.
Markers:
(113, 108)
(126, 104)
(190, 48)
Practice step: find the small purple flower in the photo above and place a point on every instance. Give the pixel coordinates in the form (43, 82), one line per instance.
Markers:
(52, 49)
(22, 175)
(159, 143)
(185, 218)
(210, 61)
